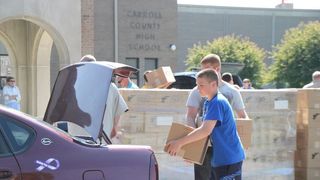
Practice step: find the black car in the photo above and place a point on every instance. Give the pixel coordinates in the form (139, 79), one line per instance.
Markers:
(187, 80)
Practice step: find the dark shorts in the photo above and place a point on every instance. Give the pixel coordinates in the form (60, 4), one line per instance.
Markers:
(228, 172)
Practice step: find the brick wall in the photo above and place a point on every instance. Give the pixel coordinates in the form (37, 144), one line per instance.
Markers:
(87, 27)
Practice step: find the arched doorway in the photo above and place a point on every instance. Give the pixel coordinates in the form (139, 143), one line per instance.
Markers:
(35, 52)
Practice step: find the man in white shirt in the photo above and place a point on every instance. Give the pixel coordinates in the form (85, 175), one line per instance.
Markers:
(11, 94)
(315, 81)
(116, 105)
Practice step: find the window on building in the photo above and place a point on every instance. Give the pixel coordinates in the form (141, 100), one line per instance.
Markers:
(134, 62)
(150, 63)
(4, 65)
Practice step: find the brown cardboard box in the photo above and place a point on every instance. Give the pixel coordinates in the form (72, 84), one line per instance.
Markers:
(307, 173)
(308, 98)
(161, 77)
(308, 117)
(307, 158)
(194, 152)
(244, 128)
(308, 138)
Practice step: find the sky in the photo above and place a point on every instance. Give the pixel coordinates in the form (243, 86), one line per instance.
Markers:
(297, 4)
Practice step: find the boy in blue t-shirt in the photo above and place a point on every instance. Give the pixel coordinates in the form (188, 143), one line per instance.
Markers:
(219, 123)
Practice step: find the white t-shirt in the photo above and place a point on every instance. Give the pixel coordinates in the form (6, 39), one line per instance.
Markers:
(115, 107)
(313, 84)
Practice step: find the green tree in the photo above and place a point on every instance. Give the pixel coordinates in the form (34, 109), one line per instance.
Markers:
(297, 56)
(235, 49)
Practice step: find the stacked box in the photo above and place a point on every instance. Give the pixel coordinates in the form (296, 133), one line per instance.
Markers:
(271, 153)
(269, 100)
(244, 128)
(309, 173)
(273, 130)
(151, 113)
(307, 155)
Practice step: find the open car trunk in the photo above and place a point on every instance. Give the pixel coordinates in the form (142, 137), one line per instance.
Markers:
(80, 94)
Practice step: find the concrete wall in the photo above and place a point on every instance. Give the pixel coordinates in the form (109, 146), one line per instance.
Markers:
(270, 156)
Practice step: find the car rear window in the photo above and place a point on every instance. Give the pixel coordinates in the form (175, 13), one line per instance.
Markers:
(18, 135)
(4, 149)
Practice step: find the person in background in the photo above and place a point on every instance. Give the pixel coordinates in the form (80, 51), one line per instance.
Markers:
(227, 77)
(126, 82)
(146, 86)
(247, 84)
(11, 94)
(194, 110)
(115, 106)
(315, 81)
(219, 123)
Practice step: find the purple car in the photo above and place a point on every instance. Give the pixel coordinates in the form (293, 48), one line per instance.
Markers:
(36, 149)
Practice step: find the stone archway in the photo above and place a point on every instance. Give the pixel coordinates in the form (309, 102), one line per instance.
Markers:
(29, 43)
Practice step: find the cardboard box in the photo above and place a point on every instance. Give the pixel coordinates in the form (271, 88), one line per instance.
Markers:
(161, 77)
(244, 128)
(307, 173)
(195, 151)
(308, 98)
(307, 158)
(308, 117)
(308, 138)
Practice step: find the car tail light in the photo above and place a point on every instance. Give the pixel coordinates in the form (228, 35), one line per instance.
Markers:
(154, 168)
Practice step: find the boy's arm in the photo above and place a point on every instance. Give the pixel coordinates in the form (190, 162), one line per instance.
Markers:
(201, 132)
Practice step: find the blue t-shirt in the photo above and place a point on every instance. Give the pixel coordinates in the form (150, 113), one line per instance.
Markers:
(227, 147)
(132, 85)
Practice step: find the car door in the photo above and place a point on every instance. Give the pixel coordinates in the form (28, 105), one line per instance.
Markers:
(9, 168)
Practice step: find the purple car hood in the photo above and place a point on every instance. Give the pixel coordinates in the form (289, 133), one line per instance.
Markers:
(80, 94)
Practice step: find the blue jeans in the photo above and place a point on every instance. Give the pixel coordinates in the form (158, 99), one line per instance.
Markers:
(228, 172)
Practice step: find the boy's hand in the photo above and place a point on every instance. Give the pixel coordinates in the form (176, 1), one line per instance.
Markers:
(187, 161)
(173, 147)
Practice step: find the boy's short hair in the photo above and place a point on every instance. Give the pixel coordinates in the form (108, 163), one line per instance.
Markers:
(209, 74)
(211, 59)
